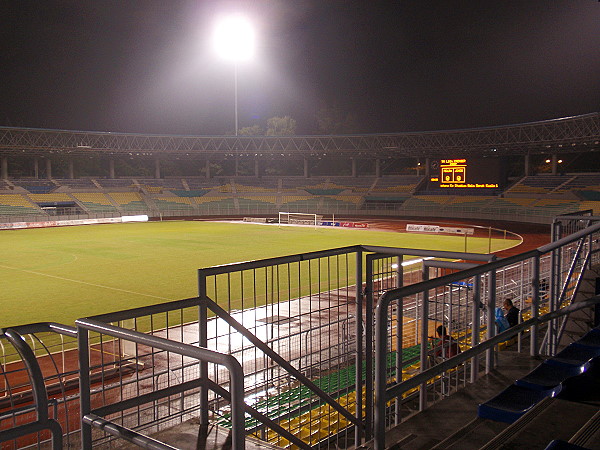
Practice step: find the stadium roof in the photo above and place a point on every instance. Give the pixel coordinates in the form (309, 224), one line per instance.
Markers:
(566, 135)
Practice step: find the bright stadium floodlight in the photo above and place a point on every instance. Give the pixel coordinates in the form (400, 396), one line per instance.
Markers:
(234, 41)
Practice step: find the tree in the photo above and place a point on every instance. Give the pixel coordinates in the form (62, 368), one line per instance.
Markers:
(281, 126)
(254, 130)
(333, 120)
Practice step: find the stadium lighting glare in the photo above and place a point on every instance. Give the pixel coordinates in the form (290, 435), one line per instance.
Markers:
(234, 40)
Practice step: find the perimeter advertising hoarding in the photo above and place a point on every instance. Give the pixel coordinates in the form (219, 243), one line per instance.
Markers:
(419, 228)
(75, 222)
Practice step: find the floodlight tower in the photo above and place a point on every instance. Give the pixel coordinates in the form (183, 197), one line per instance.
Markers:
(234, 41)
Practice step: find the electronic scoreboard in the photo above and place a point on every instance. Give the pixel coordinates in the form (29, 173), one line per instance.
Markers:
(472, 173)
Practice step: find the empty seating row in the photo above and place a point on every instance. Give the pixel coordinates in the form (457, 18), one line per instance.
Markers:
(254, 184)
(547, 380)
(405, 184)
(262, 199)
(252, 188)
(195, 183)
(116, 182)
(583, 182)
(162, 183)
(95, 201)
(36, 186)
(129, 201)
(48, 198)
(540, 184)
(77, 183)
(15, 204)
(593, 205)
(357, 183)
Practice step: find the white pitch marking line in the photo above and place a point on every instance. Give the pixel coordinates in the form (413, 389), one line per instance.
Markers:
(83, 282)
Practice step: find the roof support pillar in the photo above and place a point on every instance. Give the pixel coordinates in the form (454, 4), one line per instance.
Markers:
(527, 163)
(36, 167)
(111, 168)
(554, 163)
(354, 172)
(157, 168)
(4, 169)
(48, 168)
(207, 168)
(306, 168)
(378, 168)
(71, 169)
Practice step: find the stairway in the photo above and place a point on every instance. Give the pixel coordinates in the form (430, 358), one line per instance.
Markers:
(428, 428)
(571, 418)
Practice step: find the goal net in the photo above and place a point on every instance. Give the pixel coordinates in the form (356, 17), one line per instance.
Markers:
(299, 218)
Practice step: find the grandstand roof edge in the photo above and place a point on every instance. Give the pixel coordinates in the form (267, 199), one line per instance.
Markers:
(405, 133)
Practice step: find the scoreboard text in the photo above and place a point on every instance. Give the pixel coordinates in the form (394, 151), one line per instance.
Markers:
(466, 173)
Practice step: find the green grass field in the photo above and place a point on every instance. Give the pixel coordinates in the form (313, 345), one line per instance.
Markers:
(61, 274)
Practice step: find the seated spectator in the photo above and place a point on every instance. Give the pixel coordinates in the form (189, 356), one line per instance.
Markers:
(445, 346)
(501, 322)
(512, 312)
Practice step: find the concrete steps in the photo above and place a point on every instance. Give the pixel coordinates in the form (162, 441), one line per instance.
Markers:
(428, 428)
(573, 417)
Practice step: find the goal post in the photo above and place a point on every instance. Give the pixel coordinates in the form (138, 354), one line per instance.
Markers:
(290, 218)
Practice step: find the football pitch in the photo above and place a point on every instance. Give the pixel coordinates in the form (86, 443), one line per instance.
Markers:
(61, 274)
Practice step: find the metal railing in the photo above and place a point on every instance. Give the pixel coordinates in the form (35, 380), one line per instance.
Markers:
(35, 386)
(323, 300)
(567, 258)
(291, 320)
(109, 416)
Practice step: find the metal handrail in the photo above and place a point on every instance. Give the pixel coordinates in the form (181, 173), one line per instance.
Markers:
(398, 294)
(40, 397)
(42, 327)
(385, 394)
(462, 357)
(89, 419)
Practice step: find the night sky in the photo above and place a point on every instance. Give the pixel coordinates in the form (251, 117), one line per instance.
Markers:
(148, 67)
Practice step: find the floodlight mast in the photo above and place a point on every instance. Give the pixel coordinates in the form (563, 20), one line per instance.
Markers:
(234, 41)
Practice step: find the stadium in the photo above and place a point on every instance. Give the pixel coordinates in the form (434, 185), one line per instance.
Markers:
(255, 339)
(233, 224)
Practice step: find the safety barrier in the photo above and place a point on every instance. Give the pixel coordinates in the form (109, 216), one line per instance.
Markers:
(36, 385)
(568, 258)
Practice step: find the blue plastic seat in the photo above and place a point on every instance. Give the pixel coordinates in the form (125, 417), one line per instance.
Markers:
(591, 339)
(576, 355)
(585, 387)
(549, 375)
(566, 369)
(557, 444)
(513, 402)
